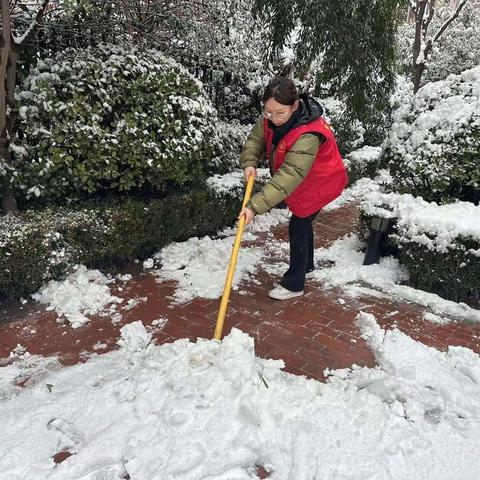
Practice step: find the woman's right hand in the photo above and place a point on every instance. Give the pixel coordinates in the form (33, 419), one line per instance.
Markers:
(250, 171)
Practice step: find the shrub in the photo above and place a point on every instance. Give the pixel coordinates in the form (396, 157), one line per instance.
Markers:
(438, 244)
(230, 139)
(110, 119)
(47, 244)
(349, 135)
(362, 162)
(433, 149)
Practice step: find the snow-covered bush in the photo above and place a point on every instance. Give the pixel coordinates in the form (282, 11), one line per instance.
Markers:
(457, 49)
(110, 118)
(349, 134)
(439, 244)
(433, 149)
(229, 141)
(362, 162)
(47, 244)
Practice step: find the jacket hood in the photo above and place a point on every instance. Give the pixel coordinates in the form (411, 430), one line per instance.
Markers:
(309, 110)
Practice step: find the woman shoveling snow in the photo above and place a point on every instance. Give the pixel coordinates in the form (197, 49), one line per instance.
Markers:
(307, 172)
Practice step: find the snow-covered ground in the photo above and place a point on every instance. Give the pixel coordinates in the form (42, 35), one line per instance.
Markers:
(211, 410)
(84, 292)
(343, 266)
(199, 266)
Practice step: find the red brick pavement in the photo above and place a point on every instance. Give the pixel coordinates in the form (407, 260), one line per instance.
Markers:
(309, 333)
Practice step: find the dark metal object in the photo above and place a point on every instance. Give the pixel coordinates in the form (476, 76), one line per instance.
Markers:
(378, 233)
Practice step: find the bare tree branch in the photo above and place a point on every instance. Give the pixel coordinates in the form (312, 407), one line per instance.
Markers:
(450, 20)
(27, 36)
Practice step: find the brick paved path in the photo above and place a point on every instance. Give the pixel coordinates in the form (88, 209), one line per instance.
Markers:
(310, 334)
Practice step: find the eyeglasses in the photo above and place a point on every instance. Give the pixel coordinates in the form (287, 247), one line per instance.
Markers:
(271, 115)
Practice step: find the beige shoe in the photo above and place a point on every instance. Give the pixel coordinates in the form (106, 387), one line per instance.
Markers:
(281, 293)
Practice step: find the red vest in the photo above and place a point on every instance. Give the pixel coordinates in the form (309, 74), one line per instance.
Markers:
(326, 179)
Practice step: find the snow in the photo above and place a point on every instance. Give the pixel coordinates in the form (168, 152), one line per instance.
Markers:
(361, 188)
(341, 265)
(84, 292)
(436, 226)
(200, 265)
(366, 154)
(148, 263)
(212, 410)
(434, 135)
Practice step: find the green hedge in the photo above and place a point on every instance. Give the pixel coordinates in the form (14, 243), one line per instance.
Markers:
(454, 275)
(452, 271)
(47, 244)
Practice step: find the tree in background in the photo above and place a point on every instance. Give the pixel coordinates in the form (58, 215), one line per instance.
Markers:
(423, 12)
(458, 48)
(13, 41)
(353, 42)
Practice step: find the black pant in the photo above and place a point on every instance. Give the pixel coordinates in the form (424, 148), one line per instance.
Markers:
(300, 232)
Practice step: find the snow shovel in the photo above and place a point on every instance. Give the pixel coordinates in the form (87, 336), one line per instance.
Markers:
(232, 264)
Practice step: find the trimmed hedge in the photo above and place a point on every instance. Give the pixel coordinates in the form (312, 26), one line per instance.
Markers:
(47, 244)
(448, 265)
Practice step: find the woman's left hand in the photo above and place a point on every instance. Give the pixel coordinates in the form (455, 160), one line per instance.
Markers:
(249, 215)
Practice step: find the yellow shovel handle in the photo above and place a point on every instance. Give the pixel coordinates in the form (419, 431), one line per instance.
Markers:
(232, 264)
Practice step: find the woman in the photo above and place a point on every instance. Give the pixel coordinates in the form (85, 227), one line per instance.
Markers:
(307, 172)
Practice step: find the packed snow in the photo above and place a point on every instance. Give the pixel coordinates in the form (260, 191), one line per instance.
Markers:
(212, 410)
(84, 292)
(341, 264)
(436, 226)
(199, 265)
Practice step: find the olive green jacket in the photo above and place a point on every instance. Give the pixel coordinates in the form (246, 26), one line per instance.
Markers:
(289, 176)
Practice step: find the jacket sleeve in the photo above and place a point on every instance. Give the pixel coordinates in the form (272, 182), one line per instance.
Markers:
(254, 148)
(289, 176)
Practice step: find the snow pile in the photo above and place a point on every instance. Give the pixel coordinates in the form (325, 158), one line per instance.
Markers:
(213, 410)
(134, 337)
(343, 262)
(200, 266)
(342, 265)
(265, 222)
(438, 227)
(84, 292)
(421, 383)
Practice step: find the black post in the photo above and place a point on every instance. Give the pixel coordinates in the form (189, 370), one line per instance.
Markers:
(378, 232)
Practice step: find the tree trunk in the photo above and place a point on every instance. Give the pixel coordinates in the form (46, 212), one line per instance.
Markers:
(417, 76)
(7, 95)
(418, 68)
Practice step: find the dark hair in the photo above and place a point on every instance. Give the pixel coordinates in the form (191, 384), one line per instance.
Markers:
(281, 89)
